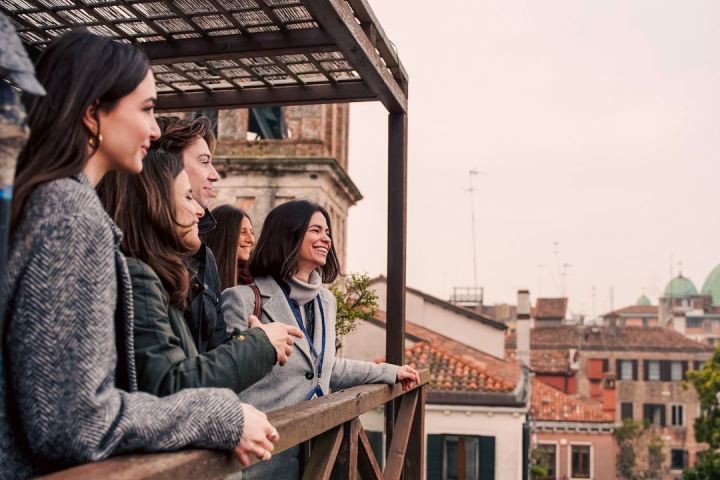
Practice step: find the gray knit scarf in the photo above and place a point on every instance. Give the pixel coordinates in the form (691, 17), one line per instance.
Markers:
(303, 292)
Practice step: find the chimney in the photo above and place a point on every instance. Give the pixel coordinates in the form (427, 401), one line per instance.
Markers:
(523, 327)
(612, 321)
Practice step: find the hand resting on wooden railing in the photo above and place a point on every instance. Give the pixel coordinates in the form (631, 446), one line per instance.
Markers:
(295, 425)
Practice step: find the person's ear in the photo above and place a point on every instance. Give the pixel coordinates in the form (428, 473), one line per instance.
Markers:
(90, 120)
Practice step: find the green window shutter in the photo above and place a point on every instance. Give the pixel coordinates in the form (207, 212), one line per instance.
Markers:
(486, 458)
(434, 457)
(376, 442)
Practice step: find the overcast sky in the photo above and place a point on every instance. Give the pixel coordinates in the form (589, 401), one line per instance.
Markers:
(596, 124)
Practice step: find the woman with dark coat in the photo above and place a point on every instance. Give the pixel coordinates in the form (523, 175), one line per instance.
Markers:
(294, 256)
(159, 217)
(232, 241)
(68, 391)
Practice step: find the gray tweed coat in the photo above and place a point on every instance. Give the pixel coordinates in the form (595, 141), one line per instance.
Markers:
(67, 384)
(290, 384)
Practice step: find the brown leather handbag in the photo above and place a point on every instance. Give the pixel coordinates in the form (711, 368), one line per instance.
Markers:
(258, 301)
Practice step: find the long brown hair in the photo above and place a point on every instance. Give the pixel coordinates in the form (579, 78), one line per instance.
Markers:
(223, 241)
(143, 206)
(78, 70)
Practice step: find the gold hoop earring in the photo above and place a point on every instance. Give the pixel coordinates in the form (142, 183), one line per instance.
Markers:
(95, 141)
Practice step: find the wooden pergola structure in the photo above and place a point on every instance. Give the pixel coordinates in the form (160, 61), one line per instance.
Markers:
(219, 54)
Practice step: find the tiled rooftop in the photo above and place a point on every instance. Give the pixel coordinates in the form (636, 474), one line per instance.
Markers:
(545, 361)
(453, 373)
(550, 308)
(551, 405)
(443, 351)
(600, 338)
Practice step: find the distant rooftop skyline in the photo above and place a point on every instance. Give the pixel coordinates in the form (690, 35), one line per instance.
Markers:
(597, 125)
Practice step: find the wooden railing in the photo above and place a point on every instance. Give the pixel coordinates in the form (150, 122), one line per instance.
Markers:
(335, 444)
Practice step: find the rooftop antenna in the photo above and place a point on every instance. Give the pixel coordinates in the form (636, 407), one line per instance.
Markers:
(472, 173)
(672, 275)
(563, 276)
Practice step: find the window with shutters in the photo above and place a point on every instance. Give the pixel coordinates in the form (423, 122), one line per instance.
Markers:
(547, 458)
(455, 457)
(694, 322)
(678, 459)
(677, 415)
(654, 414)
(626, 370)
(653, 370)
(580, 461)
(676, 371)
(626, 411)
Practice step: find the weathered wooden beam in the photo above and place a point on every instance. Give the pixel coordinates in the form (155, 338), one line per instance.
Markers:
(262, 44)
(367, 463)
(336, 17)
(398, 446)
(381, 41)
(295, 424)
(396, 250)
(415, 454)
(355, 91)
(325, 451)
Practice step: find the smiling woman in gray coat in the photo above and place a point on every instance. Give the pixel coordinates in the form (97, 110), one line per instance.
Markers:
(68, 392)
(292, 259)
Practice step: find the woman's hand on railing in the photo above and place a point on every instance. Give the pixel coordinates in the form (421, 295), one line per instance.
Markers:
(409, 377)
(259, 436)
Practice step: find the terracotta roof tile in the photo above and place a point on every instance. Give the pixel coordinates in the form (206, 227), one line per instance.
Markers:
(545, 361)
(449, 372)
(599, 338)
(551, 405)
(503, 371)
(550, 308)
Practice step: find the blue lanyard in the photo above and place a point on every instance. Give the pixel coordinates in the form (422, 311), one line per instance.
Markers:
(298, 318)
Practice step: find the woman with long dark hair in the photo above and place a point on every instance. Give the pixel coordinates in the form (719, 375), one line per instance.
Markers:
(294, 256)
(159, 217)
(232, 242)
(68, 390)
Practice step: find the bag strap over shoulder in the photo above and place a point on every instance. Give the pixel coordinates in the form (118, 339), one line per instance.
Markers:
(258, 301)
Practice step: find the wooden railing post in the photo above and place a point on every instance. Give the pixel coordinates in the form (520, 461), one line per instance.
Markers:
(415, 454)
(398, 445)
(396, 253)
(346, 464)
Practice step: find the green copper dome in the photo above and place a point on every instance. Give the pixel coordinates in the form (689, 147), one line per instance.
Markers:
(712, 285)
(643, 301)
(680, 287)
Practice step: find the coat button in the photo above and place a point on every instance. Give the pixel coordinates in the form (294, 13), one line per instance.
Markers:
(309, 375)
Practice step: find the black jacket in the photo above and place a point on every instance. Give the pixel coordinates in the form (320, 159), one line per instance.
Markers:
(204, 315)
(165, 354)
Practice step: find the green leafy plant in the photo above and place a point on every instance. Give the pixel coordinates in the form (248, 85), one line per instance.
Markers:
(706, 381)
(539, 468)
(638, 440)
(355, 302)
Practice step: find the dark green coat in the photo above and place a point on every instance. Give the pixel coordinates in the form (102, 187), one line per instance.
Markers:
(166, 358)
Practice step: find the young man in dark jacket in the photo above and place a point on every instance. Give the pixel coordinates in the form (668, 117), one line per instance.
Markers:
(194, 141)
